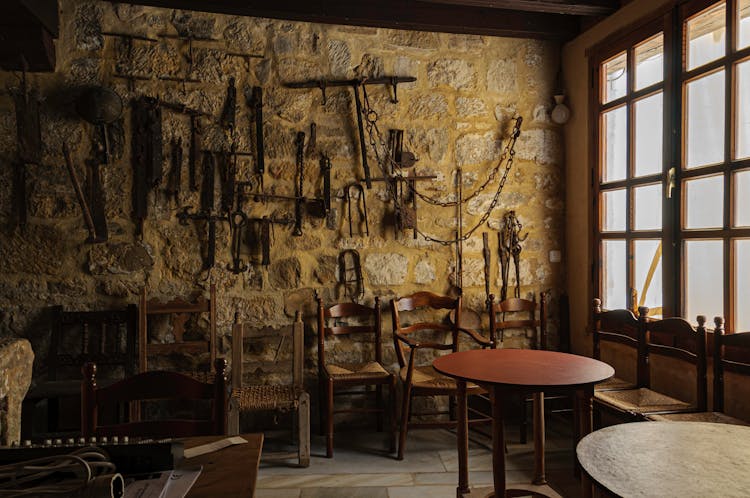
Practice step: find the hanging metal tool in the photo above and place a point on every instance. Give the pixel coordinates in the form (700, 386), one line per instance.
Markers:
(259, 236)
(510, 247)
(208, 185)
(29, 136)
(350, 274)
(237, 222)
(299, 194)
(228, 171)
(459, 277)
(185, 215)
(146, 155)
(80, 195)
(229, 111)
(487, 262)
(312, 145)
(195, 147)
(255, 103)
(361, 211)
(360, 128)
(175, 173)
(325, 172)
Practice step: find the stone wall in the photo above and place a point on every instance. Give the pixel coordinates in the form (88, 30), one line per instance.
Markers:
(457, 114)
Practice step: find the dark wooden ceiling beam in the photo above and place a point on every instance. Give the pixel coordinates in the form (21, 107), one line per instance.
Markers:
(398, 14)
(27, 32)
(567, 7)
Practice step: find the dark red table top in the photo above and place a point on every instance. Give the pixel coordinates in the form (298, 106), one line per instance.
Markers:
(523, 368)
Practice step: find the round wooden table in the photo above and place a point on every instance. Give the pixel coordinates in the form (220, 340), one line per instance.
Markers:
(685, 459)
(506, 371)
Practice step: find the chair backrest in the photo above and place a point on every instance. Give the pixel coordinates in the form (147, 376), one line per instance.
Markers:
(676, 338)
(178, 311)
(426, 301)
(624, 328)
(105, 337)
(242, 331)
(155, 385)
(367, 321)
(731, 354)
(517, 305)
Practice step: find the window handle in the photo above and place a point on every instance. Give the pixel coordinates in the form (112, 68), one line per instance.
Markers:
(671, 182)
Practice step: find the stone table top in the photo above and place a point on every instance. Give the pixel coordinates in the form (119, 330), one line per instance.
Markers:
(662, 459)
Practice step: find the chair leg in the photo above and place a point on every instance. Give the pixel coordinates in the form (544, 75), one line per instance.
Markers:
(322, 404)
(329, 419)
(303, 426)
(522, 423)
(379, 406)
(393, 416)
(405, 416)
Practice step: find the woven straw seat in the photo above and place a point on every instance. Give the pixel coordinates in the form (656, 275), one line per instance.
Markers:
(614, 384)
(638, 401)
(713, 417)
(271, 397)
(427, 378)
(350, 371)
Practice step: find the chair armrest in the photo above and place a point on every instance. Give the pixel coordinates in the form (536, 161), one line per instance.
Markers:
(478, 338)
(417, 344)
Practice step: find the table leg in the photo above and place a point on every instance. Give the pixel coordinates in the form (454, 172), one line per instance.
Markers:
(498, 443)
(462, 433)
(539, 439)
(583, 405)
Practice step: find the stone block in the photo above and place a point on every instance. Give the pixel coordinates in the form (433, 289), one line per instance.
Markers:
(455, 73)
(386, 268)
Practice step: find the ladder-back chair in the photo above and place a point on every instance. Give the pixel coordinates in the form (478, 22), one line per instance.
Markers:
(251, 396)
(423, 380)
(347, 320)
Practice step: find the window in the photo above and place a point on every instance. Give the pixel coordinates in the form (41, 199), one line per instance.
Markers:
(672, 224)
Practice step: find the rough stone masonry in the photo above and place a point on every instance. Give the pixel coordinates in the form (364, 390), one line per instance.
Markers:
(456, 114)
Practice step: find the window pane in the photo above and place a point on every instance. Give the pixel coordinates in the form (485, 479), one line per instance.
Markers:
(615, 78)
(613, 210)
(705, 120)
(614, 144)
(648, 274)
(742, 290)
(648, 135)
(742, 200)
(706, 36)
(613, 274)
(704, 202)
(647, 207)
(704, 279)
(743, 38)
(743, 110)
(649, 62)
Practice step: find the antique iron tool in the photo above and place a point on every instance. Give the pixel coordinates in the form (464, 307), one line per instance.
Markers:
(298, 203)
(510, 247)
(147, 155)
(29, 135)
(255, 103)
(350, 274)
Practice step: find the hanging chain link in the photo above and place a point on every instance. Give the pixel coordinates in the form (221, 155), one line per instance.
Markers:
(376, 140)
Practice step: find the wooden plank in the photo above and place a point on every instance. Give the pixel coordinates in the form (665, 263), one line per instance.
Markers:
(591, 8)
(395, 14)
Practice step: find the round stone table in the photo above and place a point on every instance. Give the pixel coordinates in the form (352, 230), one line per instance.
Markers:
(685, 459)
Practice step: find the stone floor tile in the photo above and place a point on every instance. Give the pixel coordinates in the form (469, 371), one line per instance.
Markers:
(334, 480)
(422, 491)
(363, 492)
(277, 493)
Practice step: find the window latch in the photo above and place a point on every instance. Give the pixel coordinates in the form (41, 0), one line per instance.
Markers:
(671, 182)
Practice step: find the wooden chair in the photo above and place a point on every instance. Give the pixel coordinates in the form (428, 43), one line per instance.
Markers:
(731, 354)
(424, 380)
(149, 386)
(661, 339)
(273, 396)
(106, 337)
(365, 322)
(617, 327)
(180, 348)
(509, 310)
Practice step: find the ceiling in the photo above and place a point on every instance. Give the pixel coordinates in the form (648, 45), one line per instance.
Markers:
(31, 25)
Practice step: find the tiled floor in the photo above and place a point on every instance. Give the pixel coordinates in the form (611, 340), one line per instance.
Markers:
(362, 468)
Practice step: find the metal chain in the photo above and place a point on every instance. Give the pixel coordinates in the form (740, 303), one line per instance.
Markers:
(508, 155)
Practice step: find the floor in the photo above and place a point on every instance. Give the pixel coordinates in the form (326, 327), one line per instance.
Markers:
(362, 468)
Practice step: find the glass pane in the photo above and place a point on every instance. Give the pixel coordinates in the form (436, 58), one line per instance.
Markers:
(704, 202)
(615, 144)
(615, 78)
(648, 282)
(706, 35)
(742, 200)
(647, 207)
(613, 210)
(743, 38)
(613, 274)
(705, 120)
(743, 111)
(648, 135)
(704, 279)
(742, 290)
(649, 62)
